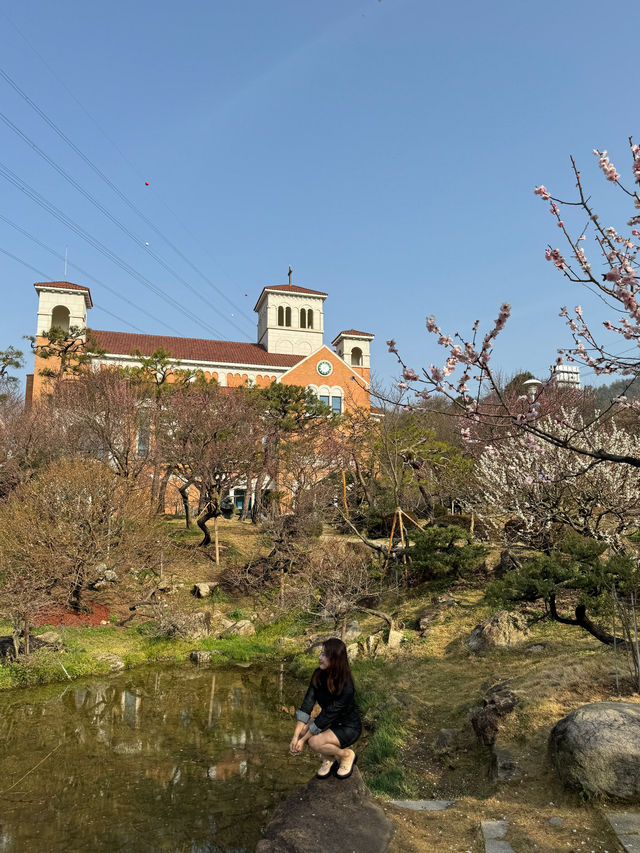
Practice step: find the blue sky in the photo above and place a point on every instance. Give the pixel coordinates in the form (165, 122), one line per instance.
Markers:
(387, 150)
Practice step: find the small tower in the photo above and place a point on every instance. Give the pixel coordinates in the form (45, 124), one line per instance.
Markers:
(354, 348)
(290, 319)
(61, 304)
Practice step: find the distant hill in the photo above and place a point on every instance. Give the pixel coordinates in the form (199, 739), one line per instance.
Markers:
(604, 394)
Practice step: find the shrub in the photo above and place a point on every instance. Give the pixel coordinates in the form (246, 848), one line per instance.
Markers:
(442, 551)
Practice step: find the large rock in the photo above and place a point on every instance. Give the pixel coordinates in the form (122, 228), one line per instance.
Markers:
(204, 590)
(502, 630)
(596, 750)
(328, 816)
(49, 639)
(352, 633)
(243, 628)
(499, 701)
(114, 662)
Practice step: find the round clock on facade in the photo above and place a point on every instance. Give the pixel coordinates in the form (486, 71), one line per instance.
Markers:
(324, 368)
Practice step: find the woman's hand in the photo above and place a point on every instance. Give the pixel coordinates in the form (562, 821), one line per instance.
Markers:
(295, 747)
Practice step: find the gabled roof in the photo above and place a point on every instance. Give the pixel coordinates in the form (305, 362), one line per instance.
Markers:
(193, 349)
(352, 333)
(287, 288)
(65, 285)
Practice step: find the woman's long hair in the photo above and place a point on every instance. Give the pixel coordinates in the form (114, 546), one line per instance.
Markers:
(338, 672)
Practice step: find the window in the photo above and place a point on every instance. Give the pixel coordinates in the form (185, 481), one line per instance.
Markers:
(287, 316)
(324, 398)
(281, 316)
(336, 405)
(356, 357)
(309, 319)
(303, 318)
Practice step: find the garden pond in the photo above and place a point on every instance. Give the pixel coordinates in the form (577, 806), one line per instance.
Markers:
(178, 759)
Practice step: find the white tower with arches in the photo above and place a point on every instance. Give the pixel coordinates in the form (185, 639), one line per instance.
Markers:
(62, 304)
(290, 319)
(354, 347)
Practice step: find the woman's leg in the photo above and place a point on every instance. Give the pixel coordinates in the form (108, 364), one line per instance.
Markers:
(328, 746)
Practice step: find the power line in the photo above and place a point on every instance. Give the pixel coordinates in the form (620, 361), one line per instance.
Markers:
(86, 275)
(116, 189)
(93, 200)
(29, 191)
(46, 277)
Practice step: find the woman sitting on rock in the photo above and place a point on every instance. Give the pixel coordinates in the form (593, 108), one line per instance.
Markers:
(338, 725)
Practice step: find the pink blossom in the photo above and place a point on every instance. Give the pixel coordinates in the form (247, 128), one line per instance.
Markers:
(436, 374)
(607, 166)
(403, 385)
(445, 340)
(555, 256)
(431, 325)
(392, 345)
(409, 374)
(542, 192)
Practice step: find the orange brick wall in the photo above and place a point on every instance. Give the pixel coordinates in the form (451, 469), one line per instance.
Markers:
(355, 395)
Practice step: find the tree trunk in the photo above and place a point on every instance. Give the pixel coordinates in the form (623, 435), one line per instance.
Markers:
(207, 513)
(215, 532)
(26, 637)
(184, 494)
(583, 621)
(162, 491)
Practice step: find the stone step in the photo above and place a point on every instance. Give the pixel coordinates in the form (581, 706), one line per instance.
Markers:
(424, 805)
(626, 826)
(493, 833)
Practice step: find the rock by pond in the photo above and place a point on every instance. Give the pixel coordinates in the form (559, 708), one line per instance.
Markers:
(596, 749)
(329, 815)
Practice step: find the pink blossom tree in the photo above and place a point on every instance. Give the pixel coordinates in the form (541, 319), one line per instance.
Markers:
(466, 376)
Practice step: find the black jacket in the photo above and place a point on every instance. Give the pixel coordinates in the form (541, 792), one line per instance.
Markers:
(337, 709)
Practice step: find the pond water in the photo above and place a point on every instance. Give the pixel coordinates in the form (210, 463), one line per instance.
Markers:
(179, 759)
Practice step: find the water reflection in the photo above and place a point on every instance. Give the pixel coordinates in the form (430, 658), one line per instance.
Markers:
(179, 760)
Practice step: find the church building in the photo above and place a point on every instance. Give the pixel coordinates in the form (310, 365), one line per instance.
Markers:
(289, 346)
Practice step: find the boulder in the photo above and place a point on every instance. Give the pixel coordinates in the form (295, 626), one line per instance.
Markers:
(114, 662)
(204, 590)
(352, 651)
(329, 815)
(499, 701)
(372, 642)
(502, 630)
(110, 576)
(444, 740)
(503, 767)
(596, 750)
(394, 640)
(352, 633)
(220, 623)
(50, 639)
(243, 628)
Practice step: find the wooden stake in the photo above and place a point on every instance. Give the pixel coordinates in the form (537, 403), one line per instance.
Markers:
(344, 494)
(393, 527)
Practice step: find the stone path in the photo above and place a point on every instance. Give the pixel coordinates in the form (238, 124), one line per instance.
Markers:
(493, 833)
(626, 826)
(424, 805)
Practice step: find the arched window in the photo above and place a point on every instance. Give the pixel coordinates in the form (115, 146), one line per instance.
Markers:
(309, 319)
(356, 357)
(281, 316)
(60, 318)
(303, 318)
(287, 316)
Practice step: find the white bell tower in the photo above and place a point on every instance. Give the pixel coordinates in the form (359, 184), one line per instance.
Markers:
(290, 319)
(62, 304)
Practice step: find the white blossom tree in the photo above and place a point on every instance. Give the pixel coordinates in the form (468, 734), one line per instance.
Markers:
(549, 490)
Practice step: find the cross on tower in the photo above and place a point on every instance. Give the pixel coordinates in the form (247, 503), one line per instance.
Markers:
(290, 273)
